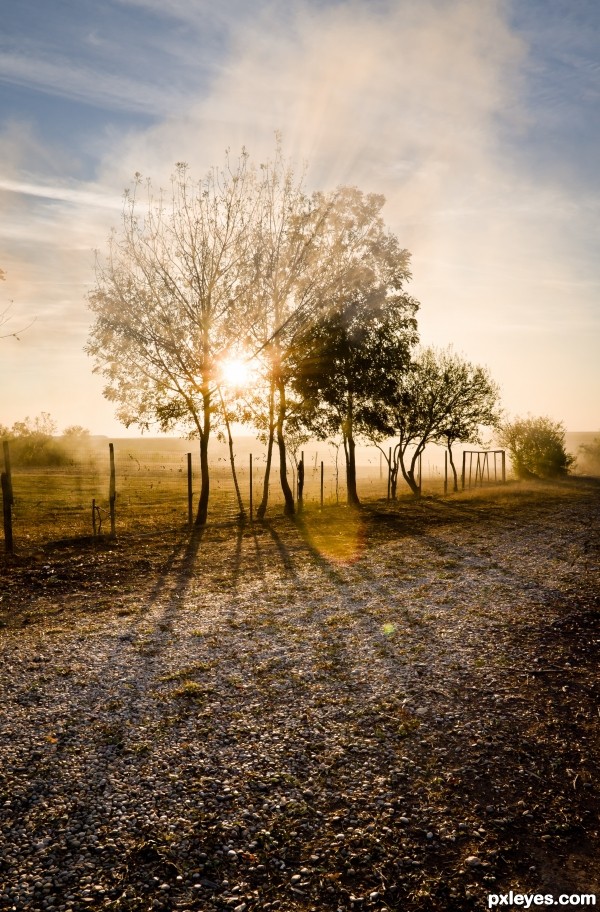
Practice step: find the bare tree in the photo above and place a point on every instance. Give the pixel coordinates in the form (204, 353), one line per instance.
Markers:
(285, 271)
(165, 300)
(5, 316)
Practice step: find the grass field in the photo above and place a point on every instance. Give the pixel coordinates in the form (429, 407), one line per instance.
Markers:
(151, 484)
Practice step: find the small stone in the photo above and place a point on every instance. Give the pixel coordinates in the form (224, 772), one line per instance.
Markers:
(473, 861)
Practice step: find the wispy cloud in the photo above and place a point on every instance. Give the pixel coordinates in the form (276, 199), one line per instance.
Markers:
(435, 104)
(78, 196)
(60, 76)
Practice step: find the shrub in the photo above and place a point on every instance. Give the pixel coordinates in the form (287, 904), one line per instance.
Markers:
(32, 442)
(590, 454)
(536, 447)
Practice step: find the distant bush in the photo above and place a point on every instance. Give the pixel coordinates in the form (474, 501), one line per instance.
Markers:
(590, 456)
(536, 447)
(33, 442)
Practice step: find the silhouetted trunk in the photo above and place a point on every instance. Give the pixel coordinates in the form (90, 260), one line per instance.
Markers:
(262, 507)
(409, 472)
(289, 508)
(350, 453)
(453, 467)
(232, 461)
(393, 469)
(204, 474)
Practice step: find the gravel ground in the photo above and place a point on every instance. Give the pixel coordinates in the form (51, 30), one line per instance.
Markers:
(389, 709)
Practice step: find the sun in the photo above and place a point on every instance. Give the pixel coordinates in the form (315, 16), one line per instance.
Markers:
(235, 372)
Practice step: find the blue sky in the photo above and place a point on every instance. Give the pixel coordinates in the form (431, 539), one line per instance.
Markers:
(478, 120)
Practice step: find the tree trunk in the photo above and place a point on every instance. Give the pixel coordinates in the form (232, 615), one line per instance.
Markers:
(395, 465)
(232, 463)
(350, 453)
(453, 467)
(290, 507)
(262, 507)
(409, 473)
(204, 474)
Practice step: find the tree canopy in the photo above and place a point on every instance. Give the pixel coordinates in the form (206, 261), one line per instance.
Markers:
(439, 397)
(165, 297)
(310, 289)
(350, 354)
(246, 260)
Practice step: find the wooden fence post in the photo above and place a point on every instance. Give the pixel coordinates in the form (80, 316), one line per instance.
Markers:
(322, 479)
(445, 472)
(112, 491)
(503, 467)
(7, 513)
(464, 467)
(389, 490)
(189, 490)
(300, 476)
(251, 490)
(7, 470)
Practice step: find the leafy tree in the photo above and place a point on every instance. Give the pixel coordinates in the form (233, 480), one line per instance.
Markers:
(471, 401)
(165, 301)
(349, 355)
(440, 397)
(536, 447)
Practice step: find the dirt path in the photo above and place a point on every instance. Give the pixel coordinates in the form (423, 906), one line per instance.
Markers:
(391, 709)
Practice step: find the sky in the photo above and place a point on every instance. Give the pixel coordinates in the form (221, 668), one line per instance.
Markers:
(477, 119)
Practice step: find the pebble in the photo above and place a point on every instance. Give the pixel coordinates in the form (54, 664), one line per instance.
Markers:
(113, 779)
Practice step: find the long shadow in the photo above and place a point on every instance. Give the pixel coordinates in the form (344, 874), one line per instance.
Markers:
(184, 552)
(322, 562)
(282, 550)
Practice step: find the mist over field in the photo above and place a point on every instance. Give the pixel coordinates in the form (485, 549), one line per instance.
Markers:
(475, 120)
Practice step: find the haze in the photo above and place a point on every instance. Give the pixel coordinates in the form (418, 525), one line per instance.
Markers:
(477, 120)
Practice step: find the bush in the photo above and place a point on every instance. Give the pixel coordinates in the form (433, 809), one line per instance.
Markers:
(536, 447)
(590, 455)
(32, 443)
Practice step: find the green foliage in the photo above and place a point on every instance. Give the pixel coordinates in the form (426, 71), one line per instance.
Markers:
(536, 447)
(363, 330)
(438, 398)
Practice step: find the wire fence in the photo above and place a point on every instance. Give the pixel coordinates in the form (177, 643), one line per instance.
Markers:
(157, 486)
